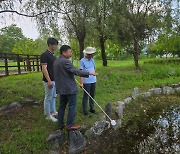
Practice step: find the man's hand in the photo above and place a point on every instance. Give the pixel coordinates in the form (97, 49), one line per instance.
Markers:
(81, 85)
(93, 73)
(46, 74)
(50, 84)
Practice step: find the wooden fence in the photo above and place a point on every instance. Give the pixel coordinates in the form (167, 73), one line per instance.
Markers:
(18, 63)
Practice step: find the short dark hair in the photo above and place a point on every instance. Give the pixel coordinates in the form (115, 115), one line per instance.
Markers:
(64, 48)
(52, 41)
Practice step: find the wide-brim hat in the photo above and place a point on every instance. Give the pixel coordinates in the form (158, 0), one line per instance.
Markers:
(89, 50)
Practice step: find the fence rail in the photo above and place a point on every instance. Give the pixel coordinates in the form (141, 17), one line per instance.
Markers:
(18, 63)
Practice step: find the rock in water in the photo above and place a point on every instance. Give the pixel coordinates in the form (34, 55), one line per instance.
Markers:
(108, 110)
(77, 142)
(56, 139)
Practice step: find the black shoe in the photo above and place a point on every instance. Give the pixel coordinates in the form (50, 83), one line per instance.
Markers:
(93, 111)
(87, 114)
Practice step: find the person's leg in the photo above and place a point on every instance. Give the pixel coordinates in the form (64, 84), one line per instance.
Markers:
(47, 99)
(61, 111)
(53, 102)
(72, 110)
(85, 98)
(92, 93)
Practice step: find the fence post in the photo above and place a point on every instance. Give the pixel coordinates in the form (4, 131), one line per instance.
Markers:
(18, 64)
(33, 65)
(24, 65)
(37, 63)
(28, 63)
(6, 64)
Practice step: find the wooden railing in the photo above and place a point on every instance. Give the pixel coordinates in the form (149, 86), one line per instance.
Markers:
(18, 63)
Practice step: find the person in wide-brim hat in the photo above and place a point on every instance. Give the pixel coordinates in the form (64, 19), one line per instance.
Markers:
(86, 64)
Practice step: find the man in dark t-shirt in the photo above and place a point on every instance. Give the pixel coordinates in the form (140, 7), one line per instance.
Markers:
(47, 59)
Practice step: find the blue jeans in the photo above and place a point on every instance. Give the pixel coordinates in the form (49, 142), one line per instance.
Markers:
(50, 98)
(71, 101)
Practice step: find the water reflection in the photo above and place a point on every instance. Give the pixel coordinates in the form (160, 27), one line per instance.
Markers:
(150, 133)
(166, 138)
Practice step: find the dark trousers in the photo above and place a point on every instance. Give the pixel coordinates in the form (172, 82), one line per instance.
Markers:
(71, 101)
(90, 88)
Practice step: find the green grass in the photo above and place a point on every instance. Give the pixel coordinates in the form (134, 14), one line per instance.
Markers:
(26, 131)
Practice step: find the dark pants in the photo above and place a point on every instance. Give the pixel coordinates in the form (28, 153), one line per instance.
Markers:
(71, 101)
(90, 88)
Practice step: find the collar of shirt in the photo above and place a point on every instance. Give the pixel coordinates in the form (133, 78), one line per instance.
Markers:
(50, 52)
(88, 59)
(62, 56)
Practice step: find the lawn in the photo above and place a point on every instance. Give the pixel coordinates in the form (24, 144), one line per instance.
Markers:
(26, 131)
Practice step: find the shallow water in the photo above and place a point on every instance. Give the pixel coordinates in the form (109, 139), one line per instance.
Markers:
(151, 134)
(166, 138)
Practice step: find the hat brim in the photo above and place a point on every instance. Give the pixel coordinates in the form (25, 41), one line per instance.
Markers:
(89, 52)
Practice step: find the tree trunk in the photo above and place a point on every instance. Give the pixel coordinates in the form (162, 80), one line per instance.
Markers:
(136, 53)
(103, 54)
(81, 48)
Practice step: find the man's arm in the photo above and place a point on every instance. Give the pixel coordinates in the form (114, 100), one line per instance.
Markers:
(44, 61)
(81, 68)
(70, 68)
(46, 74)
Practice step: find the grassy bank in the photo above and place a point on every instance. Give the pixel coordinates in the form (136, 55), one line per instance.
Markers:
(25, 131)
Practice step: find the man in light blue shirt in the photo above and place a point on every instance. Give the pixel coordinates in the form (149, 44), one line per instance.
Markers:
(87, 64)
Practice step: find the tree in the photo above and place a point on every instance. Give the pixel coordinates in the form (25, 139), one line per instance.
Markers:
(75, 23)
(135, 21)
(27, 46)
(8, 6)
(114, 49)
(166, 44)
(9, 36)
(175, 45)
(74, 45)
(73, 12)
(41, 44)
(76, 20)
(102, 12)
